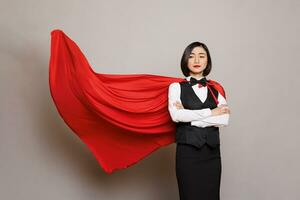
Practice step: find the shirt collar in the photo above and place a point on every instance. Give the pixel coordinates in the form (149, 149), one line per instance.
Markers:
(189, 77)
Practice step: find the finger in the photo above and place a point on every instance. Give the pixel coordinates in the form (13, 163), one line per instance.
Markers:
(223, 109)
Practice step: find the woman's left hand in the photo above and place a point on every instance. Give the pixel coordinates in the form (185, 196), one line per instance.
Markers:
(178, 105)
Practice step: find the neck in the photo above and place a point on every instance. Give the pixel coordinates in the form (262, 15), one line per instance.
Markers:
(196, 76)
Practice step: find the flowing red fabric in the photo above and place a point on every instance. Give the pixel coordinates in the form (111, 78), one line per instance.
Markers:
(122, 118)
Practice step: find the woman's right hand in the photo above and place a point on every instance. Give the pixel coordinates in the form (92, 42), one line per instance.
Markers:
(220, 110)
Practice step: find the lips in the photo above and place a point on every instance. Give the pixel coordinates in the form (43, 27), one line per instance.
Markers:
(196, 66)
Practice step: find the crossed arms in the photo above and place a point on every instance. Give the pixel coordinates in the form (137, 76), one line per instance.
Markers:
(199, 118)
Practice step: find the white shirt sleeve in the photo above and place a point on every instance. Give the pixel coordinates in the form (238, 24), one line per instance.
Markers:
(183, 115)
(218, 120)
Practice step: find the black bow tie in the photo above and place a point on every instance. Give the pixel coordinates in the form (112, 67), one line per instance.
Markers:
(202, 81)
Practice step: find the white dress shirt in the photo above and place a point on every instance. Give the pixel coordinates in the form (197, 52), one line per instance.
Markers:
(201, 117)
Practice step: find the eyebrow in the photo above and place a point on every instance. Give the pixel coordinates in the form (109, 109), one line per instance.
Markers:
(199, 53)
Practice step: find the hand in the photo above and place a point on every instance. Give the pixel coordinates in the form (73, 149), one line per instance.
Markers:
(178, 105)
(220, 110)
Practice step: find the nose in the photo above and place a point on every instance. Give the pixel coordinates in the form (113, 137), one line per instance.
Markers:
(197, 59)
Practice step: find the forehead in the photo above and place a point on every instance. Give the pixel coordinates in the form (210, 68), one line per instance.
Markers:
(198, 50)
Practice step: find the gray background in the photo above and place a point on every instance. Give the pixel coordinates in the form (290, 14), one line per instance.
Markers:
(255, 49)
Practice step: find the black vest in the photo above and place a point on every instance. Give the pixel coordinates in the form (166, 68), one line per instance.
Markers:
(197, 136)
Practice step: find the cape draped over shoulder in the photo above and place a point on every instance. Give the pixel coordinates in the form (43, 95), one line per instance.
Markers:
(122, 118)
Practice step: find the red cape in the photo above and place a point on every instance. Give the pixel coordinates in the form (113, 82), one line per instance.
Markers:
(122, 118)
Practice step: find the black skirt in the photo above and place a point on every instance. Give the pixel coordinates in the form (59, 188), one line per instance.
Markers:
(198, 172)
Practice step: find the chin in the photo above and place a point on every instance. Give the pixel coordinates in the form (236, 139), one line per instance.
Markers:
(197, 72)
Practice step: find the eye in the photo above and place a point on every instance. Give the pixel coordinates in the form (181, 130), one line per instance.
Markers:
(202, 56)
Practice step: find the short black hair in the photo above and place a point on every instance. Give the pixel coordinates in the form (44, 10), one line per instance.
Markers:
(184, 59)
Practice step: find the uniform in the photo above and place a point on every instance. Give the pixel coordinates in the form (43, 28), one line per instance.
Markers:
(198, 157)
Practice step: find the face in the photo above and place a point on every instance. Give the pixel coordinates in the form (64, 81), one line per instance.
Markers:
(197, 61)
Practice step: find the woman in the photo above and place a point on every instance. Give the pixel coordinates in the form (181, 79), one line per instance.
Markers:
(198, 115)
